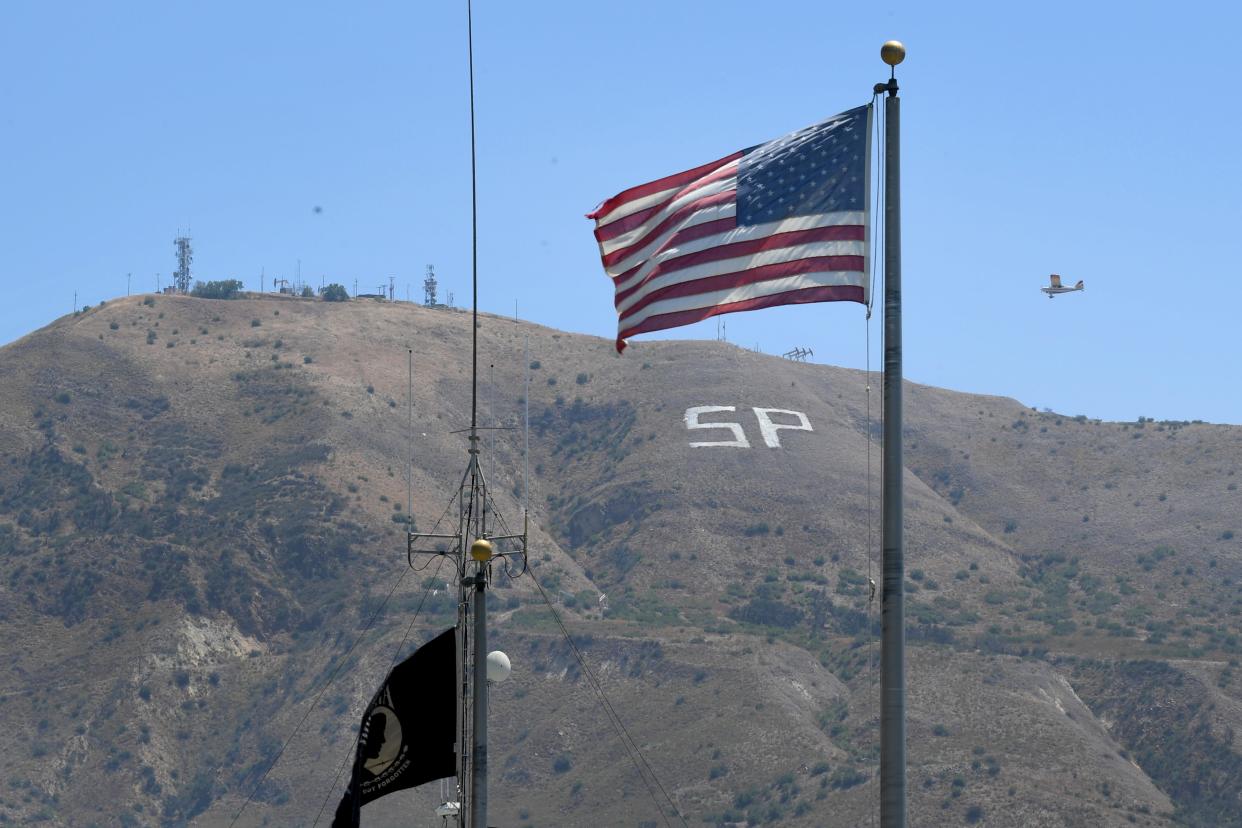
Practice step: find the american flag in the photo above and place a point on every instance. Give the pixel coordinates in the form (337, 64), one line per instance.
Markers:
(782, 223)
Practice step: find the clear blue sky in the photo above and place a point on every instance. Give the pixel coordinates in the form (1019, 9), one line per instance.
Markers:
(1069, 137)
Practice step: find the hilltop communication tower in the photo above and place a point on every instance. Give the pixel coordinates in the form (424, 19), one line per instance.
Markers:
(185, 254)
(429, 287)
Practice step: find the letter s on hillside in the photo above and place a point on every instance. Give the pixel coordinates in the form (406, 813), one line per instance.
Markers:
(692, 422)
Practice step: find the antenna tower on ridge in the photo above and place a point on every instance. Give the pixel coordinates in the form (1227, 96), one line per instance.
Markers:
(429, 287)
(185, 254)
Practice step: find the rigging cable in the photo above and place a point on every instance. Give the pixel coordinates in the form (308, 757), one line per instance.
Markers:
(336, 671)
(627, 741)
(396, 655)
(878, 223)
(877, 214)
(409, 437)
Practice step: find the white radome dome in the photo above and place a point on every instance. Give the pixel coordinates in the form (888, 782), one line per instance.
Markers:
(498, 667)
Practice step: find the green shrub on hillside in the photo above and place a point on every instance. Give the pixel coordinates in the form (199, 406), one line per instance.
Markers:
(222, 289)
(335, 293)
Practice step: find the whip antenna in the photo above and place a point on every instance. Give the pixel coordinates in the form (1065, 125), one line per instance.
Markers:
(474, 236)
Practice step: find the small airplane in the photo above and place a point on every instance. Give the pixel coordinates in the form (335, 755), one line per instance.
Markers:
(1055, 287)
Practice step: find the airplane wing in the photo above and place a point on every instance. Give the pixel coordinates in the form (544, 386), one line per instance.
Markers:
(1056, 280)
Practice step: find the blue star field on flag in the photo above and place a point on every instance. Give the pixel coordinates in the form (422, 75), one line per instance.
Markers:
(820, 169)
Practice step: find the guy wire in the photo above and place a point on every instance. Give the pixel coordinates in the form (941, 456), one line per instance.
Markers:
(409, 430)
(336, 671)
(314, 703)
(627, 741)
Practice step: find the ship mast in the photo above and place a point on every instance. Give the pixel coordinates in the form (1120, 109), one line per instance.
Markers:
(474, 549)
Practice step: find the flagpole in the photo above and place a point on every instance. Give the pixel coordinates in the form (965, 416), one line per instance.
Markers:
(892, 609)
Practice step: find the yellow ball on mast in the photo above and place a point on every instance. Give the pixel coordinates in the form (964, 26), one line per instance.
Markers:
(481, 550)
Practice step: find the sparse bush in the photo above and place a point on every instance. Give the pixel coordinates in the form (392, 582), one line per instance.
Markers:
(845, 778)
(767, 612)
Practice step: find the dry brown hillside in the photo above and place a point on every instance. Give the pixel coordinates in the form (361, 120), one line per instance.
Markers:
(203, 504)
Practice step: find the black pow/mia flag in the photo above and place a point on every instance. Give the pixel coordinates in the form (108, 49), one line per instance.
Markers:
(408, 730)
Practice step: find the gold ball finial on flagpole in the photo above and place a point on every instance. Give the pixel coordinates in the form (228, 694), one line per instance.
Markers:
(893, 52)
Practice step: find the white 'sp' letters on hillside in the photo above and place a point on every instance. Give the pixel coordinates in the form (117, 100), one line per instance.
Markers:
(768, 428)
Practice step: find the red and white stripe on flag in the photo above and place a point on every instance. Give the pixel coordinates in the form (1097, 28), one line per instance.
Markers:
(677, 252)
